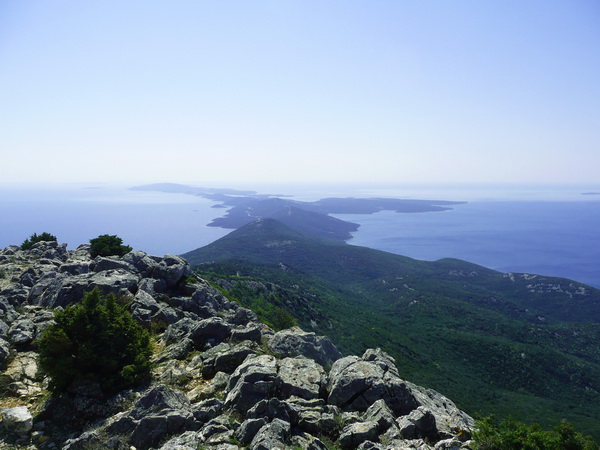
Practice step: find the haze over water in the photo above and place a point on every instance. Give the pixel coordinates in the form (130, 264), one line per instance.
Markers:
(545, 230)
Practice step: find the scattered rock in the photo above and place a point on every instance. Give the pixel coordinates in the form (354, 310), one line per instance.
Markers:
(231, 393)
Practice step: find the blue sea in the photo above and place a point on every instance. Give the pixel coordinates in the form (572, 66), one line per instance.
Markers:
(547, 230)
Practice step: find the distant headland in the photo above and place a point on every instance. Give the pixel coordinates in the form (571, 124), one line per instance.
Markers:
(309, 217)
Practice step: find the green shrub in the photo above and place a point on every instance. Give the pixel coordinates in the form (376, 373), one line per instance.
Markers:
(108, 245)
(512, 435)
(35, 238)
(95, 341)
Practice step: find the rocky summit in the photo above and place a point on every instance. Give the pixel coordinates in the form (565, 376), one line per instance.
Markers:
(220, 378)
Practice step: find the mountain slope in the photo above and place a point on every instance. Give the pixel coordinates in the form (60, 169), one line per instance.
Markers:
(515, 344)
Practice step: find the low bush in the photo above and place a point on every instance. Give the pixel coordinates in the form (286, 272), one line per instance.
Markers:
(35, 238)
(95, 341)
(108, 245)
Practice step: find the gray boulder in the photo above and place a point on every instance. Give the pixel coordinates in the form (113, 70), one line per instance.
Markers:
(207, 410)
(225, 358)
(419, 424)
(60, 289)
(102, 263)
(271, 436)
(22, 332)
(248, 429)
(4, 352)
(296, 342)
(142, 262)
(158, 399)
(306, 441)
(210, 331)
(179, 330)
(251, 332)
(355, 434)
(450, 421)
(75, 267)
(300, 377)
(254, 380)
(190, 440)
(17, 420)
(273, 408)
(380, 413)
(152, 429)
(3, 328)
(355, 384)
(171, 269)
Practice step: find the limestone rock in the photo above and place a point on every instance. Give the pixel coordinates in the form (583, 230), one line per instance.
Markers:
(419, 424)
(355, 384)
(17, 420)
(295, 342)
(450, 420)
(22, 332)
(271, 436)
(301, 377)
(225, 358)
(248, 429)
(210, 331)
(171, 269)
(254, 380)
(355, 434)
(4, 352)
(380, 412)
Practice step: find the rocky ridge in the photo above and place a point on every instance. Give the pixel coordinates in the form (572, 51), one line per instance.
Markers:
(221, 379)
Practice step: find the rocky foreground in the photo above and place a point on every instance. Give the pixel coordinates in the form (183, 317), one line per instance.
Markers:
(221, 379)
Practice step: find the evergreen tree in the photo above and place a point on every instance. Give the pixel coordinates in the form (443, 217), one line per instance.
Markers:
(96, 341)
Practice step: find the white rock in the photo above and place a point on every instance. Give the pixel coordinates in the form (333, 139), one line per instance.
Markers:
(18, 419)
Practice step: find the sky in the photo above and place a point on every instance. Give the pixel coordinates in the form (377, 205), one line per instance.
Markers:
(391, 91)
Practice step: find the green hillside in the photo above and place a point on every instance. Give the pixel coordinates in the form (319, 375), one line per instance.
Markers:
(515, 345)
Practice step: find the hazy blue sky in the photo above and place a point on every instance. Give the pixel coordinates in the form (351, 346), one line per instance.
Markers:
(353, 91)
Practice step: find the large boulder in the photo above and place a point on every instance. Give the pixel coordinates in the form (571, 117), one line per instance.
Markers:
(419, 424)
(450, 421)
(355, 434)
(17, 420)
(296, 342)
(272, 436)
(300, 377)
(356, 383)
(61, 289)
(4, 353)
(225, 358)
(210, 331)
(254, 380)
(22, 332)
(171, 269)
(142, 262)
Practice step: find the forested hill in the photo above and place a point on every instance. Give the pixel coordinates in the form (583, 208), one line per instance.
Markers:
(511, 344)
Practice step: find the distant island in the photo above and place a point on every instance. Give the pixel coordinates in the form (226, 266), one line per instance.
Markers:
(308, 217)
(591, 193)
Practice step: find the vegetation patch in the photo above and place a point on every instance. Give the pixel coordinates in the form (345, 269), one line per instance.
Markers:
(95, 341)
(108, 245)
(512, 435)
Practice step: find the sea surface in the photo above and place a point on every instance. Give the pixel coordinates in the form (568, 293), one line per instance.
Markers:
(547, 230)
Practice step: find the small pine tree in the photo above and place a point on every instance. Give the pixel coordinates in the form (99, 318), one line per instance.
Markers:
(108, 245)
(95, 341)
(35, 238)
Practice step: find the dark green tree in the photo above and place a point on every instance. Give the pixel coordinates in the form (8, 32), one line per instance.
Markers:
(108, 245)
(35, 238)
(95, 341)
